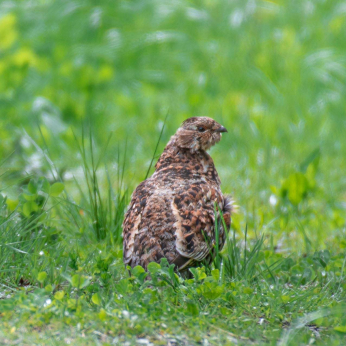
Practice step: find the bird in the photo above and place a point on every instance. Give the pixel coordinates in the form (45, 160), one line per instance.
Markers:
(172, 214)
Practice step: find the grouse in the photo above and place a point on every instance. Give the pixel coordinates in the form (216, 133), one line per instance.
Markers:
(172, 213)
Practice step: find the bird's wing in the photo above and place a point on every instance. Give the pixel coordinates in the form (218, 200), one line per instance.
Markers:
(133, 218)
(176, 223)
(194, 213)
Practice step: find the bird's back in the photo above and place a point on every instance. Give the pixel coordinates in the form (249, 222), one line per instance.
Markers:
(172, 214)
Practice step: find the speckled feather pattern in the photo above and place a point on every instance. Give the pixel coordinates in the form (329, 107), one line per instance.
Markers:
(171, 214)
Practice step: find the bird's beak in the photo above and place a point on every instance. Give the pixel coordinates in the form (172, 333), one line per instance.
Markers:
(221, 129)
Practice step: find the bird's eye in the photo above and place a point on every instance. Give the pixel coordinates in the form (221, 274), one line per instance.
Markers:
(201, 129)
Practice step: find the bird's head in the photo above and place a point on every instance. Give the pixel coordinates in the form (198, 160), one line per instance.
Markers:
(199, 133)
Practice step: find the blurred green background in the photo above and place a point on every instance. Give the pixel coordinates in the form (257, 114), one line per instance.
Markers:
(272, 72)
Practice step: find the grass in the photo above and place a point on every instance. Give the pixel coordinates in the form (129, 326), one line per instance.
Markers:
(91, 93)
(63, 279)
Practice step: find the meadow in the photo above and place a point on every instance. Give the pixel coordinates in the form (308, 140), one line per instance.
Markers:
(90, 93)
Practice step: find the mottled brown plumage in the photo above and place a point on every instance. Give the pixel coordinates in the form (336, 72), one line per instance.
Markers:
(171, 214)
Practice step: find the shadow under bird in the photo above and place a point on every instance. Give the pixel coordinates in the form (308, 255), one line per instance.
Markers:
(172, 213)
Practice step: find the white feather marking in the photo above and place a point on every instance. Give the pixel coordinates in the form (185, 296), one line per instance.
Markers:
(202, 254)
(230, 205)
(205, 166)
(180, 241)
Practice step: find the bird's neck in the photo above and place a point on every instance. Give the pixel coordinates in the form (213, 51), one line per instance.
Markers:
(186, 163)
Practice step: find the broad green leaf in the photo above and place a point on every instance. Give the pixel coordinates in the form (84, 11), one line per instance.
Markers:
(123, 286)
(210, 290)
(295, 187)
(29, 207)
(78, 281)
(148, 290)
(215, 274)
(32, 187)
(198, 273)
(225, 311)
(136, 271)
(247, 290)
(56, 189)
(96, 299)
(29, 197)
(44, 185)
(153, 267)
(59, 295)
(42, 276)
(341, 329)
(102, 315)
(49, 288)
(12, 204)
